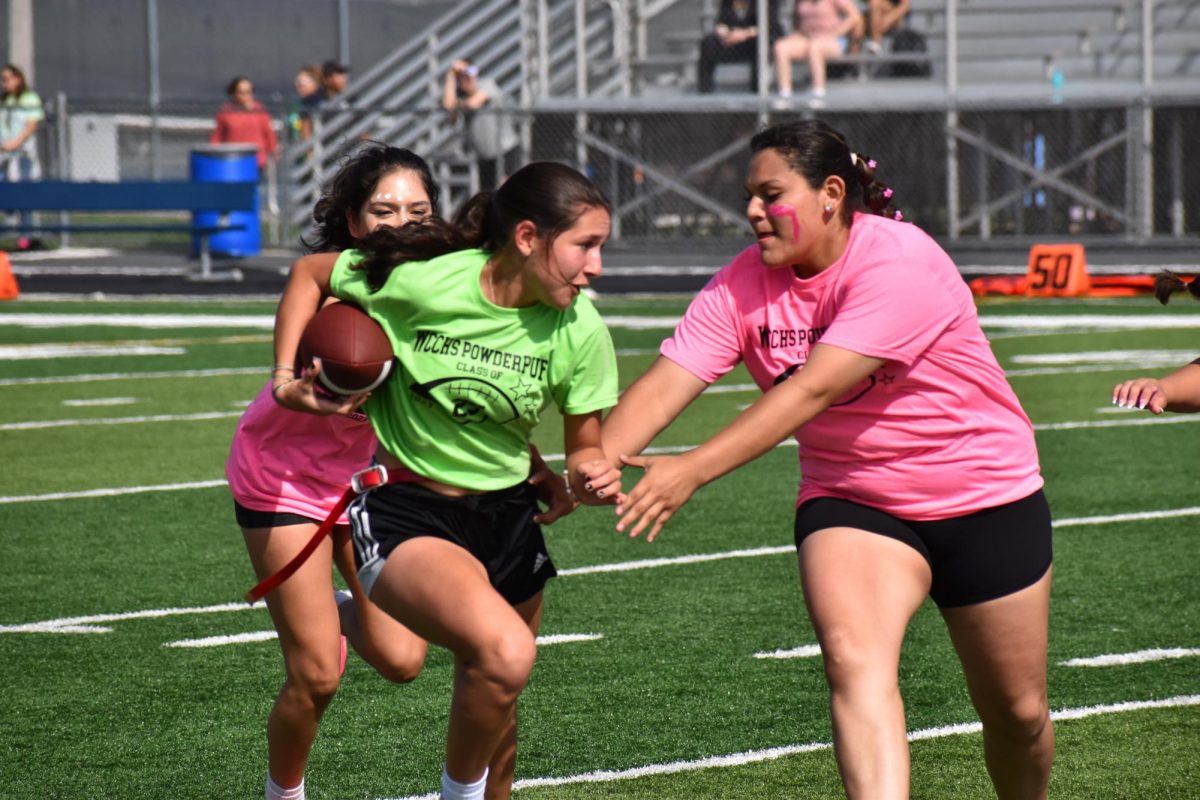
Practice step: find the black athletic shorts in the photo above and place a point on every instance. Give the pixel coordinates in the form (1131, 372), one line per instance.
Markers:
(249, 518)
(497, 528)
(974, 558)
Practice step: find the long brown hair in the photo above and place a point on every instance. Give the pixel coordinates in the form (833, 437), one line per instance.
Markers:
(552, 196)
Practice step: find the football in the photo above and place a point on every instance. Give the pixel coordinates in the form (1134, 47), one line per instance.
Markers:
(356, 355)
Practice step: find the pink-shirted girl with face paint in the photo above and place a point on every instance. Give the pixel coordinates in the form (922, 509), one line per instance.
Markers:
(920, 475)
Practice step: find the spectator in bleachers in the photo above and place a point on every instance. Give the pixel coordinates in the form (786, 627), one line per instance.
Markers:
(490, 135)
(822, 29)
(244, 120)
(334, 77)
(308, 97)
(883, 17)
(734, 38)
(20, 115)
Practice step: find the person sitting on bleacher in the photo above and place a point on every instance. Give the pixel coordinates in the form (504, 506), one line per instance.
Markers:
(733, 38)
(883, 17)
(822, 29)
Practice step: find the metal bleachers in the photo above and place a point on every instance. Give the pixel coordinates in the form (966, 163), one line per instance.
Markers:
(1106, 92)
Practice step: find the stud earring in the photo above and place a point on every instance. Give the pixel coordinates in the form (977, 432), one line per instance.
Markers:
(828, 207)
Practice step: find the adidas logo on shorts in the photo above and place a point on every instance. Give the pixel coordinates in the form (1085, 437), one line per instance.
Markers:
(537, 562)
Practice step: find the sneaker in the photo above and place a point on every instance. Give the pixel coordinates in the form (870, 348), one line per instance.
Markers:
(782, 103)
(873, 47)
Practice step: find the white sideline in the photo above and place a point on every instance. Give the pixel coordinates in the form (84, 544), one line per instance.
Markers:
(770, 754)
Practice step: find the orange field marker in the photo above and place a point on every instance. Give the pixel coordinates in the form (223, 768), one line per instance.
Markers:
(1057, 270)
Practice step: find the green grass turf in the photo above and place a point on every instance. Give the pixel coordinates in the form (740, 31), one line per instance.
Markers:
(121, 715)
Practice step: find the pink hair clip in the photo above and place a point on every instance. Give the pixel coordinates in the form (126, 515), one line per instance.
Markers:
(871, 164)
(887, 193)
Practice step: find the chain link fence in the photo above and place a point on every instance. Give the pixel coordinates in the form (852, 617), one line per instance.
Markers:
(1118, 172)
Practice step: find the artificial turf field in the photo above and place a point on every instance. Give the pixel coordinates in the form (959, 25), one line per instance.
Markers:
(130, 668)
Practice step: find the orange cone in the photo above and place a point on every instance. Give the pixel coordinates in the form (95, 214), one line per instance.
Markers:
(8, 282)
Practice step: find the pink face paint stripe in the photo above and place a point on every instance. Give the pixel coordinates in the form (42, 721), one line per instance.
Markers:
(785, 210)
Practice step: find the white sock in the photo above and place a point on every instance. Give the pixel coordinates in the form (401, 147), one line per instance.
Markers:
(818, 91)
(785, 92)
(276, 792)
(453, 790)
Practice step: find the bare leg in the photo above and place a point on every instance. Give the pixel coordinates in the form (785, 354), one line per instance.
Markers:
(504, 762)
(394, 651)
(861, 590)
(1003, 648)
(442, 593)
(819, 53)
(306, 618)
(788, 49)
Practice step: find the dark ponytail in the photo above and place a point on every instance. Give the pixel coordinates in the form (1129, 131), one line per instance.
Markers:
(1167, 283)
(815, 151)
(550, 195)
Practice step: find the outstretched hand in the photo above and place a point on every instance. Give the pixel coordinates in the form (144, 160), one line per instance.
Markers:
(301, 394)
(667, 484)
(1144, 393)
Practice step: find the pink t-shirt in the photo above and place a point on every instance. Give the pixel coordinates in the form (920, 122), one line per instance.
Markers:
(820, 17)
(937, 432)
(295, 463)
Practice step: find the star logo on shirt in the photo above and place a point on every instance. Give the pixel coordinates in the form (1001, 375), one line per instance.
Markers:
(523, 393)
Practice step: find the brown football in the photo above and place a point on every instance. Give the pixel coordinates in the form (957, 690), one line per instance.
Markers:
(356, 355)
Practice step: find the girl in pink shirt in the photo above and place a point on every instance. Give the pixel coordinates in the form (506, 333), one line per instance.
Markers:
(820, 32)
(919, 470)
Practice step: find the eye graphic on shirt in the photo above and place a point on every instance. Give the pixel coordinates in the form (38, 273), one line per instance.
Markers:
(468, 400)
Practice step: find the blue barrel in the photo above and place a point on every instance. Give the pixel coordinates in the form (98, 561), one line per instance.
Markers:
(228, 163)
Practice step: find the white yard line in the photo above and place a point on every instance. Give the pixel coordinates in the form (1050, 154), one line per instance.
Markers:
(266, 636)
(772, 753)
(89, 624)
(1138, 657)
(77, 423)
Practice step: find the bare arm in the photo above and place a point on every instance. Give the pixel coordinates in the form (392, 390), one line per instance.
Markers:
(306, 290)
(669, 482)
(1179, 391)
(26, 132)
(592, 478)
(647, 407)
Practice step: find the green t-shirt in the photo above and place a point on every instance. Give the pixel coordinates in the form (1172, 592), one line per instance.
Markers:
(472, 378)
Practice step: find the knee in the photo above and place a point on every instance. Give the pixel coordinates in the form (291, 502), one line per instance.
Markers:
(401, 670)
(1022, 719)
(505, 660)
(313, 682)
(850, 666)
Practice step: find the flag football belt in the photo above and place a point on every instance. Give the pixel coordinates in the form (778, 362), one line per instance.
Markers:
(362, 481)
